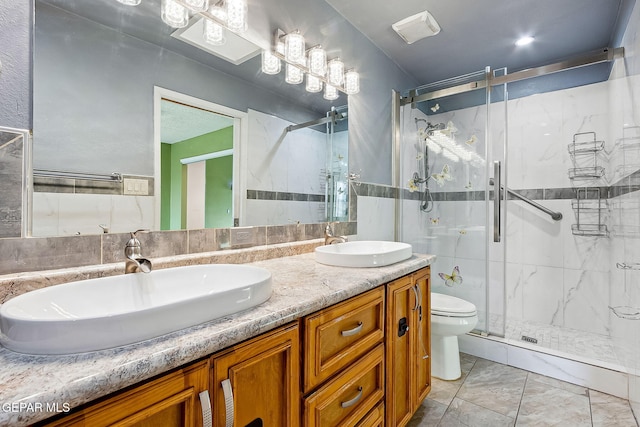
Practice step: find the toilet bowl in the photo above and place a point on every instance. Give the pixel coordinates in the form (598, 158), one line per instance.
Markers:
(450, 317)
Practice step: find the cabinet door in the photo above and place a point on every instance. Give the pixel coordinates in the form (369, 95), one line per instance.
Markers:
(400, 351)
(421, 335)
(257, 383)
(169, 401)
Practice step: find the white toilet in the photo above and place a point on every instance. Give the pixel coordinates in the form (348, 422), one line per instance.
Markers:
(450, 317)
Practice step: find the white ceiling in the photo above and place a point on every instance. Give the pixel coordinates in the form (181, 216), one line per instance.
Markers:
(179, 122)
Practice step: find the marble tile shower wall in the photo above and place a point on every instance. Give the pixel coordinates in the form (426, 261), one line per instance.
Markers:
(552, 276)
(285, 172)
(625, 207)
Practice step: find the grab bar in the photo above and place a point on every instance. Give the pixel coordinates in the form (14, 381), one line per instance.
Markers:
(557, 216)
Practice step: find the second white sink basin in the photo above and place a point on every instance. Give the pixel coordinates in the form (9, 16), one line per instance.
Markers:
(113, 311)
(364, 253)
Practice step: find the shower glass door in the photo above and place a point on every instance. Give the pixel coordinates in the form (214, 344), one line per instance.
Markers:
(446, 160)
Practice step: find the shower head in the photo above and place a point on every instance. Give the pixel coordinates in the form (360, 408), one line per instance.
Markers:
(437, 126)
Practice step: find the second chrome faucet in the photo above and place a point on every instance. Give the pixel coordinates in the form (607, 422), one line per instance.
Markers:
(135, 262)
(330, 239)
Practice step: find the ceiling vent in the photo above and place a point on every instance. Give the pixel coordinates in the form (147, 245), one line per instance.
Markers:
(417, 27)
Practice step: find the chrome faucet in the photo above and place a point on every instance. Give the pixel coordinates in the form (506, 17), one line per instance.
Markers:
(135, 263)
(330, 239)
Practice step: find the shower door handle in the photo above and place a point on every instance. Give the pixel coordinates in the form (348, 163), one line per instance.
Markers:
(497, 189)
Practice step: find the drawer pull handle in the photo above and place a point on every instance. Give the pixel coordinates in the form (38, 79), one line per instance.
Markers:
(354, 400)
(353, 331)
(228, 402)
(205, 403)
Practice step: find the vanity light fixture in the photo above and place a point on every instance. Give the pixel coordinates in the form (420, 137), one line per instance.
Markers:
(294, 48)
(174, 14)
(291, 49)
(197, 5)
(237, 15)
(351, 82)
(318, 61)
(293, 75)
(330, 92)
(335, 72)
(270, 63)
(313, 84)
(213, 32)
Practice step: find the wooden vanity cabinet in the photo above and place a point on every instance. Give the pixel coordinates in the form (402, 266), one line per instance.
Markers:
(257, 383)
(172, 400)
(408, 375)
(343, 362)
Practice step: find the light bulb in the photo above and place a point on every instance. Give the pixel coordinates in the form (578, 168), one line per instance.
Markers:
(313, 84)
(293, 75)
(270, 63)
(173, 14)
(335, 72)
(294, 48)
(237, 15)
(213, 33)
(197, 5)
(351, 82)
(330, 92)
(318, 61)
(130, 2)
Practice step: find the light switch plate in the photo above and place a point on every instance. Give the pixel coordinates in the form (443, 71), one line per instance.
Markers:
(136, 187)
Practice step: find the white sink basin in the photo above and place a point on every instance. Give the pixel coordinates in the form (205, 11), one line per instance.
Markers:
(365, 253)
(113, 311)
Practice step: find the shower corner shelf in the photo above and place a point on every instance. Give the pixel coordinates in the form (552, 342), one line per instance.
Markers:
(583, 148)
(586, 173)
(593, 230)
(589, 207)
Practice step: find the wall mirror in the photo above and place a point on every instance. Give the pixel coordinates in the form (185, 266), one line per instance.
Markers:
(105, 89)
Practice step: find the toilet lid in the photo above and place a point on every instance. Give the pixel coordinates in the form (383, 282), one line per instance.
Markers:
(446, 305)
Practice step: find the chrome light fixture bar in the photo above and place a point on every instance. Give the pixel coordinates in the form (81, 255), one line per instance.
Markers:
(311, 62)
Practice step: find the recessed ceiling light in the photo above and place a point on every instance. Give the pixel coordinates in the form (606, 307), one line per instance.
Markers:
(523, 41)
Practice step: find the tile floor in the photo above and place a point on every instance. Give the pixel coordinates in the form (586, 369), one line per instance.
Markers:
(490, 394)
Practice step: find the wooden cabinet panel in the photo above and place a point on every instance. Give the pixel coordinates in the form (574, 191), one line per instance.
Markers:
(264, 376)
(422, 337)
(347, 398)
(335, 337)
(399, 351)
(408, 346)
(169, 401)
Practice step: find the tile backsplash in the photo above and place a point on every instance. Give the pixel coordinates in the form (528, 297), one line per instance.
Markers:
(46, 253)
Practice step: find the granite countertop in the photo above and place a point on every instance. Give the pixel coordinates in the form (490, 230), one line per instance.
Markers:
(300, 286)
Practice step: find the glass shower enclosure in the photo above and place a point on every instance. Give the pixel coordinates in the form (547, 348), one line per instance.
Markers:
(451, 144)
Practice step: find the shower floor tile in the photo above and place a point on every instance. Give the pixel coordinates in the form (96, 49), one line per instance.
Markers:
(531, 400)
(570, 341)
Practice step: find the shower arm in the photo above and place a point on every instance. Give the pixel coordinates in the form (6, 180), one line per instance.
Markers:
(556, 216)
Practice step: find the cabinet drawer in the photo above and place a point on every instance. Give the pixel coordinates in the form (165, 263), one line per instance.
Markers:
(336, 337)
(348, 398)
(375, 418)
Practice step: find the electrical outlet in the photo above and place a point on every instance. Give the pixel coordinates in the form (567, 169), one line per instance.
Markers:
(136, 187)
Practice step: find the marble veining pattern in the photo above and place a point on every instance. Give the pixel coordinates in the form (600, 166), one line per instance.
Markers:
(300, 287)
